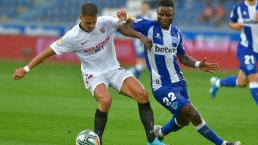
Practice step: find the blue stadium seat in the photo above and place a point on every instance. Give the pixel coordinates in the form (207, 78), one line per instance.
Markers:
(67, 11)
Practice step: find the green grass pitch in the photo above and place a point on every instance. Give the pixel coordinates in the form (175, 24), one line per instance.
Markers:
(50, 107)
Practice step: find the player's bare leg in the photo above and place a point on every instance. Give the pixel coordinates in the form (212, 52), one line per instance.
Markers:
(253, 85)
(132, 88)
(104, 103)
(242, 79)
(231, 81)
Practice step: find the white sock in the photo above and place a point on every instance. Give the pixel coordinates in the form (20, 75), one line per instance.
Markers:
(160, 133)
(217, 83)
(224, 143)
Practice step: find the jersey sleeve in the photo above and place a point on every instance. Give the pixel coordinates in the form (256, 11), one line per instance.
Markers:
(234, 14)
(142, 25)
(65, 44)
(180, 48)
(111, 22)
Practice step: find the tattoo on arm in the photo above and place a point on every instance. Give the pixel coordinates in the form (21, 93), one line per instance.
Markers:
(187, 60)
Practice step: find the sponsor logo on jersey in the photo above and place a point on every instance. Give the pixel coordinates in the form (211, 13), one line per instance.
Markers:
(97, 48)
(165, 50)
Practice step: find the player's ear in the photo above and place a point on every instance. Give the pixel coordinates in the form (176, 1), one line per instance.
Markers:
(173, 12)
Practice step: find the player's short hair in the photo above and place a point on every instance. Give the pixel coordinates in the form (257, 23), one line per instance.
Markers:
(165, 3)
(89, 9)
(145, 2)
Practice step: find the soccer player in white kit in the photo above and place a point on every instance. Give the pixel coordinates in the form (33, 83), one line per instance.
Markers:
(92, 41)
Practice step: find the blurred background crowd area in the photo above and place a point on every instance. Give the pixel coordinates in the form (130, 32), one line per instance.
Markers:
(17, 15)
(27, 27)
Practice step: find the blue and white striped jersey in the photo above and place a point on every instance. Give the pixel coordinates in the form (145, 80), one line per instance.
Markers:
(161, 59)
(138, 45)
(246, 14)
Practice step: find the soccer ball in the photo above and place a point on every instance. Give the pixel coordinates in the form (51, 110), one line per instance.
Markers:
(87, 137)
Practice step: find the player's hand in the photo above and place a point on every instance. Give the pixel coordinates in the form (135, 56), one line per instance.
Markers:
(19, 73)
(147, 42)
(208, 67)
(122, 15)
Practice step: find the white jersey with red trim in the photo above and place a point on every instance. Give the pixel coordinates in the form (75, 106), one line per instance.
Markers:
(95, 50)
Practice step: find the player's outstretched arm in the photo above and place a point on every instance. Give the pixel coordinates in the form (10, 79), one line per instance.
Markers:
(129, 32)
(236, 26)
(125, 28)
(203, 65)
(21, 72)
(207, 66)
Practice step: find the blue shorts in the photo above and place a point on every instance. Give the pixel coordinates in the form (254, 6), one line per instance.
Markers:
(247, 60)
(173, 97)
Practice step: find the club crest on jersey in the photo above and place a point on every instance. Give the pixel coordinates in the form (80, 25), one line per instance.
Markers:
(102, 30)
(59, 42)
(174, 41)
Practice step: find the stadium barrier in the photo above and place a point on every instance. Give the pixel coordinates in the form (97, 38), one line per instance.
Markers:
(22, 47)
(217, 47)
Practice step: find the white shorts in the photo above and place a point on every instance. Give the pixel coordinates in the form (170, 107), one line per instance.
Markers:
(114, 78)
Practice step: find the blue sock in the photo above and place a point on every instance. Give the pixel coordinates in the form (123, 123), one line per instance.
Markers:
(254, 90)
(229, 81)
(209, 134)
(171, 126)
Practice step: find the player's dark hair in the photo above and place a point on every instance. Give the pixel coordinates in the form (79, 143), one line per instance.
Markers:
(165, 3)
(145, 2)
(89, 9)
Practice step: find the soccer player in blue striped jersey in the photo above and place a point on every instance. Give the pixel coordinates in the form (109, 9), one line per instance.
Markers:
(244, 18)
(168, 83)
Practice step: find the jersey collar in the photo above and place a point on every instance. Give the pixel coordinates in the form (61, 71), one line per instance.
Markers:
(169, 29)
(83, 29)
